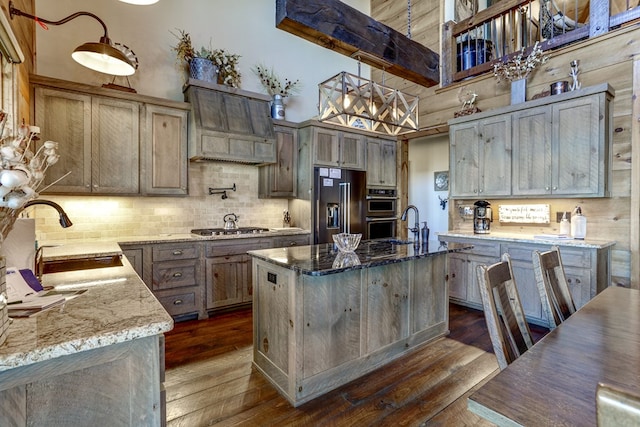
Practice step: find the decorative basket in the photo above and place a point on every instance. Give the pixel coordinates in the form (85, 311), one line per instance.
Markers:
(4, 309)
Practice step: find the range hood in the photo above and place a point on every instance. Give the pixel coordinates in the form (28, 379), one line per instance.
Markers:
(229, 124)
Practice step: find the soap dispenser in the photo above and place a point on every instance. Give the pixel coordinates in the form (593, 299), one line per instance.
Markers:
(565, 225)
(578, 224)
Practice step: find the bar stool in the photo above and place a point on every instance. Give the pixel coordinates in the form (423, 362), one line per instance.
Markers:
(508, 328)
(552, 286)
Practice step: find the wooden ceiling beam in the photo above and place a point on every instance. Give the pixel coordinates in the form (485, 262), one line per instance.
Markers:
(343, 29)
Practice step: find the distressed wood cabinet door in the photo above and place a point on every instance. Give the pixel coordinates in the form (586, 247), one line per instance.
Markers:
(225, 277)
(65, 117)
(495, 156)
(326, 147)
(579, 154)
(532, 151)
(381, 163)
(164, 150)
(464, 159)
(352, 151)
(279, 180)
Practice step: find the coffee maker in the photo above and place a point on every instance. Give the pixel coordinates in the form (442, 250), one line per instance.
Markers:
(482, 217)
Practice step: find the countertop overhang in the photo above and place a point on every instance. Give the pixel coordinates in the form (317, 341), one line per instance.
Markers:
(323, 259)
(526, 238)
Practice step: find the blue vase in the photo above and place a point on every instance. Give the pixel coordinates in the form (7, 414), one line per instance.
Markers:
(203, 69)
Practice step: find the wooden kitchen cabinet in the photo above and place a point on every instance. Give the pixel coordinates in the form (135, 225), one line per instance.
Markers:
(285, 241)
(558, 146)
(558, 149)
(228, 280)
(338, 149)
(112, 142)
(480, 158)
(98, 141)
(164, 150)
(587, 269)
(381, 163)
(279, 180)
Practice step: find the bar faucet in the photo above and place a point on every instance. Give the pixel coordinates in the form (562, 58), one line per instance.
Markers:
(416, 228)
(64, 219)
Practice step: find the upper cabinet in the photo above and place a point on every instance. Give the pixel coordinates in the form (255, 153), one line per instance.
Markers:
(229, 124)
(381, 163)
(338, 149)
(554, 146)
(279, 180)
(480, 158)
(111, 142)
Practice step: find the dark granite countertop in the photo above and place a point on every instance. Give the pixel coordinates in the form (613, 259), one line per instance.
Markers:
(318, 260)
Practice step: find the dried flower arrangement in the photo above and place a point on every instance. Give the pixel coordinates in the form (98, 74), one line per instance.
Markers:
(22, 170)
(227, 63)
(271, 82)
(519, 67)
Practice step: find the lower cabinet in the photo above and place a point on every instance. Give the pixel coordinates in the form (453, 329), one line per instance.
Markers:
(587, 269)
(228, 280)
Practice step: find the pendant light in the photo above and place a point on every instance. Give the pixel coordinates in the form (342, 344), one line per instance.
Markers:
(100, 56)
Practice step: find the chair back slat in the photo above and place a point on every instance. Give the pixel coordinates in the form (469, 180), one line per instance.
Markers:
(553, 288)
(508, 329)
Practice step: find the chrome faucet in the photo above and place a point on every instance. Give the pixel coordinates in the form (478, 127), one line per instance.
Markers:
(416, 228)
(64, 219)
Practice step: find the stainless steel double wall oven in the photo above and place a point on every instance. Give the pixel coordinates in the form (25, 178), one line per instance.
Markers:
(381, 214)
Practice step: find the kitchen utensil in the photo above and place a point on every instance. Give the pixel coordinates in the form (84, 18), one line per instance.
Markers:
(230, 221)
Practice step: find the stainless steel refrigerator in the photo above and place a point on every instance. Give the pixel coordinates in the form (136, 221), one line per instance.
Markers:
(339, 203)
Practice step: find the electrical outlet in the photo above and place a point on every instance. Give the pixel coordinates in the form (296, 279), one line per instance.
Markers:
(559, 216)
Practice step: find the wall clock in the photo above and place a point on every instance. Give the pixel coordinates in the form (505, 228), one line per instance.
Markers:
(441, 181)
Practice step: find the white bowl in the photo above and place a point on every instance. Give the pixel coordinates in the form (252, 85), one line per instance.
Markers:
(347, 242)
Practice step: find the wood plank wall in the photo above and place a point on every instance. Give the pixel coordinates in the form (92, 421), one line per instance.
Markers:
(608, 58)
(24, 30)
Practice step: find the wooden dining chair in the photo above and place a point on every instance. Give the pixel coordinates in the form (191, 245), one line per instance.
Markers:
(552, 286)
(508, 328)
(616, 407)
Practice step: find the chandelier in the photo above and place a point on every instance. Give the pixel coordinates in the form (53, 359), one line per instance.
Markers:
(350, 100)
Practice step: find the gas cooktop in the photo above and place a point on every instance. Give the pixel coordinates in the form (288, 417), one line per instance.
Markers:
(222, 231)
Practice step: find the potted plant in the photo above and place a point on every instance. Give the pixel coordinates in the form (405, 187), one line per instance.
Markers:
(276, 89)
(213, 65)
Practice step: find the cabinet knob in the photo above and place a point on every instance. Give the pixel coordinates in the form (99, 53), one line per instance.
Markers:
(555, 188)
(546, 188)
(177, 302)
(178, 252)
(177, 274)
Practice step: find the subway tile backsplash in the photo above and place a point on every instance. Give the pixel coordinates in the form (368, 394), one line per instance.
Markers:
(114, 217)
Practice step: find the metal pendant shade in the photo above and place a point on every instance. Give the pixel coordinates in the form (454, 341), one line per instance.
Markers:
(350, 100)
(103, 57)
(100, 56)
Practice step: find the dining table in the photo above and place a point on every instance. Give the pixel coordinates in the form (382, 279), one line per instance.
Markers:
(554, 382)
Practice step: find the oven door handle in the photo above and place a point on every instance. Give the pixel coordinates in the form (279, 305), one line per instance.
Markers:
(377, 219)
(381, 198)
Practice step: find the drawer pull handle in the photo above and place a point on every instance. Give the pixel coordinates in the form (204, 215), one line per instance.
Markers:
(178, 274)
(177, 302)
(178, 252)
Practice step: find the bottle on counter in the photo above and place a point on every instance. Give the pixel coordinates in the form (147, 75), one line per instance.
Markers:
(424, 233)
(565, 225)
(578, 224)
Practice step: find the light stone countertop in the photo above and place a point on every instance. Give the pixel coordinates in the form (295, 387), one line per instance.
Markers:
(117, 307)
(528, 238)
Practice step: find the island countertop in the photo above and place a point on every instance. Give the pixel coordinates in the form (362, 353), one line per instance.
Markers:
(323, 259)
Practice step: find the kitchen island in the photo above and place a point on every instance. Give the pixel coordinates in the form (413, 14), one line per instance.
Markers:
(322, 318)
(96, 360)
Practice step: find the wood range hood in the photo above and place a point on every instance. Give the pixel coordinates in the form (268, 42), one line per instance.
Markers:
(229, 124)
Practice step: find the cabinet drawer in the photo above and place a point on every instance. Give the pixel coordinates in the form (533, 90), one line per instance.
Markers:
(570, 257)
(166, 253)
(174, 274)
(483, 249)
(236, 248)
(179, 303)
(281, 242)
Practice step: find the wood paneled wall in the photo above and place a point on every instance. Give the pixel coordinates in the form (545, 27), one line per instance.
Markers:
(24, 30)
(608, 58)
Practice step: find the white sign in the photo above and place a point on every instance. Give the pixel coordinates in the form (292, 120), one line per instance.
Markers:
(532, 214)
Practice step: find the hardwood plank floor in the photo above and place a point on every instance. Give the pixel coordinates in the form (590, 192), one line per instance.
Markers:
(210, 381)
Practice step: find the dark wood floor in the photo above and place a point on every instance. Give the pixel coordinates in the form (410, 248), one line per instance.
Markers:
(209, 380)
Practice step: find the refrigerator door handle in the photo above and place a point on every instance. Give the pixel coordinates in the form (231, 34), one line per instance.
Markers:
(345, 196)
